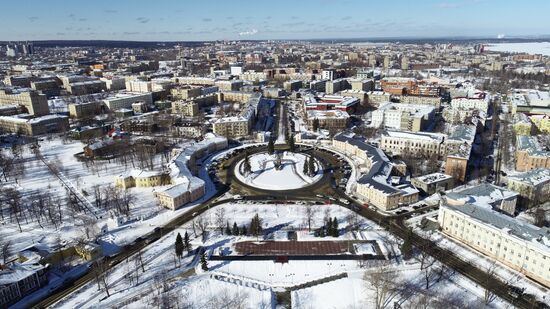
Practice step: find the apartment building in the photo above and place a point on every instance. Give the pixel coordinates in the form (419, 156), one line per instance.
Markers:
(185, 92)
(85, 110)
(34, 126)
(375, 98)
(362, 84)
(194, 80)
(185, 108)
(458, 149)
(136, 85)
(519, 245)
(232, 127)
(19, 280)
(292, 85)
(86, 87)
(530, 154)
(124, 100)
(114, 83)
(405, 117)
(423, 100)
(330, 120)
(413, 143)
(533, 186)
(337, 85)
(481, 103)
(35, 103)
(397, 85)
(375, 184)
(241, 125)
(318, 85)
(229, 85)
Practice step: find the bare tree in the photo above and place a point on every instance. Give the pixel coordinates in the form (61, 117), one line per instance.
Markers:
(382, 282)
(426, 266)
(488, 295)
(308, 213)
(139, 260)
(90, 228)
(202, 224)
(101, 273)
(220, 219)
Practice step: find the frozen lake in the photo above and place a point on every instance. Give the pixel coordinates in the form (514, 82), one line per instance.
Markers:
(530, 48)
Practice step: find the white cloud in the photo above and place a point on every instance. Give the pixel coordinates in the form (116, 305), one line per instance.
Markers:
(248, 33)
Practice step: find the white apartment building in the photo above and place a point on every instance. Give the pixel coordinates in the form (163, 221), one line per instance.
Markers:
(399, 143)
(471, 103)
(519, 245)
(125, 100)
(407, 117)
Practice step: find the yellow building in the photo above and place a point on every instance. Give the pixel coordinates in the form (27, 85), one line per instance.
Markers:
(530, 154)
(542, 123)
(375, 185)
(522, 125)
(533, 186)
(89, 251)
(34, 102)
(520, 246)
(140, 179)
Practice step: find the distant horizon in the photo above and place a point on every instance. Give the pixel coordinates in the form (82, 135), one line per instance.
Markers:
(390, 39)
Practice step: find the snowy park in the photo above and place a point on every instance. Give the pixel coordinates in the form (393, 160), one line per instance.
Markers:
(279, 171)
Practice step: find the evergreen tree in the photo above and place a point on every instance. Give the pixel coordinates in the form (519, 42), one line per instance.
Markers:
(256, 225)
(179, 246)
(311, 166)
(328, 227)
(335, 232)
(204, 263)
(270, 147)
(246, 165)
(186, 243)
(315, 125)
(291, 143)
(227, 229)
(406, 247)
(306, 169)
(244, 232)
(235, 229)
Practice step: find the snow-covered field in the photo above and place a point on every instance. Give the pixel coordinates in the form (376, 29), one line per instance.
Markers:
(145, 214)
(530, 48)
(252, 284)
(264, 175)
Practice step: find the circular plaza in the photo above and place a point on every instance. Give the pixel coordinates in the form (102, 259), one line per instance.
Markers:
(278, 171)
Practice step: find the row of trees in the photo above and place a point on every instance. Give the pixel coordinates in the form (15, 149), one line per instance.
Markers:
(330, 228)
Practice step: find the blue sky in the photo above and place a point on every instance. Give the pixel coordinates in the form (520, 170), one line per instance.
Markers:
(189, 20)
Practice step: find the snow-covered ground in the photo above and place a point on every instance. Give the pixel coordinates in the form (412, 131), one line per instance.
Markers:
(251, 284)
(530, 48)
(145, 214)
(264, 175)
